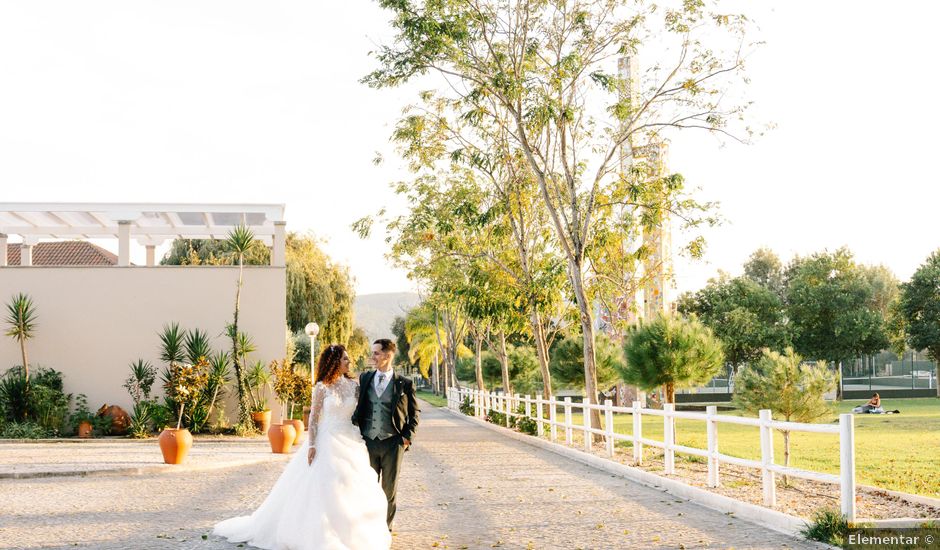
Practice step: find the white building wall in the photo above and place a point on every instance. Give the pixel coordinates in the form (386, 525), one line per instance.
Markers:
(94, 321)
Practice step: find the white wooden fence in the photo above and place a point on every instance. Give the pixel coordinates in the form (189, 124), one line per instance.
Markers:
(534, 408)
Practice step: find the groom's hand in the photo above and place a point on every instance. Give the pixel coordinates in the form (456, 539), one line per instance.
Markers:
(312, 452)
(406, 442)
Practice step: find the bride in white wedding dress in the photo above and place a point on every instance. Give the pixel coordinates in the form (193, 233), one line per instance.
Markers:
(328, 497)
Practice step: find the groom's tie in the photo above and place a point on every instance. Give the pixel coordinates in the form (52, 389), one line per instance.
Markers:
(381, 381)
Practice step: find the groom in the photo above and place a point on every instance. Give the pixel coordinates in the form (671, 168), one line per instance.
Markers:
(387, 416)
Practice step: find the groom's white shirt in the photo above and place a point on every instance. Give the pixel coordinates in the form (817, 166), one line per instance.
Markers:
(380, 386)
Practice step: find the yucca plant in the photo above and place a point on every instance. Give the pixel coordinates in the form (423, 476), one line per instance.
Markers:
(21, 316)
(218, 376)
(257, 379)
(240, 241)
(140, 381)
(172, 344)
(197, 345)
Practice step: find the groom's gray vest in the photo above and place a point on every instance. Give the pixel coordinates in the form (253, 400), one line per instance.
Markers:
(378, 423)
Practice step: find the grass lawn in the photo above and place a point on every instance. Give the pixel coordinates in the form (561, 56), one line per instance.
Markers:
(436, 400)
(899, 452)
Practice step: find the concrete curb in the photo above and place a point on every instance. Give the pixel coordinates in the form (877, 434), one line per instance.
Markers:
(145, 470)
(778, 521)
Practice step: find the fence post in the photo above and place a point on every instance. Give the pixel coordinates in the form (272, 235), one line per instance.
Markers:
(507, 406)
(588, 436)
(609, 425)
(637, 434)
(552, 418)
(712, 411)
(568, 432)
(767, 458)
(847, 464)
(669, 455)
(528, 406)
(540, 429)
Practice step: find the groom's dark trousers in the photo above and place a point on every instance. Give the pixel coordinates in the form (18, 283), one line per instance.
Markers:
(385, 456)
(385, 421)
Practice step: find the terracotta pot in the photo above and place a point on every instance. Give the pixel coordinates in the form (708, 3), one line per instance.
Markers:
(262, 420)
(84, 429)
(281, 437)
(305, 417)
(175, 444)
(299, 428)
(120, 420)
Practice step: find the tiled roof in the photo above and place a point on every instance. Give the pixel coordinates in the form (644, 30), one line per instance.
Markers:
(64, 253)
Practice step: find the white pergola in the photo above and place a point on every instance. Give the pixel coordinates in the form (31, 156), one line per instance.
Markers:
(150, 224)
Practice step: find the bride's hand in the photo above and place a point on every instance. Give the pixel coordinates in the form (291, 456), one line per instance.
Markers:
(312, 452)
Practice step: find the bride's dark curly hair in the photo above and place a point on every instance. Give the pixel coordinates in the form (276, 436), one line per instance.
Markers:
(328, 364)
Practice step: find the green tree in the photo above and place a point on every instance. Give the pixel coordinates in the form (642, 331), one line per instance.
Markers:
(318, 289)
(21, 316)
(790, 389)
(568, 361)
(671, 352)
(744, 315)
(919, 307)
(765, 268)
(541, 73)
(832, 308)
(401, 341)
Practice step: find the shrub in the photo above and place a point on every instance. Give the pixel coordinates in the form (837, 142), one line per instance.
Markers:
(41, 400)
(466, 406)
(828, 526)
(496, 417)
(141, 419)
(525, 424)
(24, 430)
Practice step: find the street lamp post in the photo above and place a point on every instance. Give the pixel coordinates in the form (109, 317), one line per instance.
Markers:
(312, 329)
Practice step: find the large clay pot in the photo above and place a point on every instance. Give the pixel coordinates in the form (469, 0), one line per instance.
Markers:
(175, 444)
(120, 420)
(299, 428)
(281, 437)
(84, 429)
(305, 417)
(262, 420)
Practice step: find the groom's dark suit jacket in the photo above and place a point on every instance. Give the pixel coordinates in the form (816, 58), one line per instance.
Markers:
(405, 409)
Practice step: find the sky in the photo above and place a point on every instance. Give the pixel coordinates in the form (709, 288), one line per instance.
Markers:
(236, 101)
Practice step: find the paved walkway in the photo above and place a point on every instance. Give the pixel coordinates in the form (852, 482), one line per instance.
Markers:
(463, 487)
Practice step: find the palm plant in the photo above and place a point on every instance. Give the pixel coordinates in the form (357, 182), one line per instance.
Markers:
(172, 344)
(21, 316)
(240, 241)
(197, 345)
(215, 385)
(141, 379)
(257, 379)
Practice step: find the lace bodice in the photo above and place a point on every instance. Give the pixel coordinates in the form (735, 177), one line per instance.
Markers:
(332, 406)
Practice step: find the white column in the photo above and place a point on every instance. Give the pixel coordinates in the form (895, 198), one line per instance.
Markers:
(279, 252)
(124, 243)
(26, 254)
(3, 249)
(151, 255)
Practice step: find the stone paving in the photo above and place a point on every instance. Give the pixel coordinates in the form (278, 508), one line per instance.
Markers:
(123, 456)
(463, 486)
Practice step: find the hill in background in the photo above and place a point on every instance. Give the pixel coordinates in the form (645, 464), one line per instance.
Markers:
(375, 313)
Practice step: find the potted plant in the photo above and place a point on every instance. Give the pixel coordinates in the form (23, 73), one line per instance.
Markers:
(184, 385)
(81, 420)
(257, 380)
(304, 391)
(303, 387)
(283, 376)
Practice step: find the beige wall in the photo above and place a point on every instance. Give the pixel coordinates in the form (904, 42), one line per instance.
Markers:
(94, 321)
